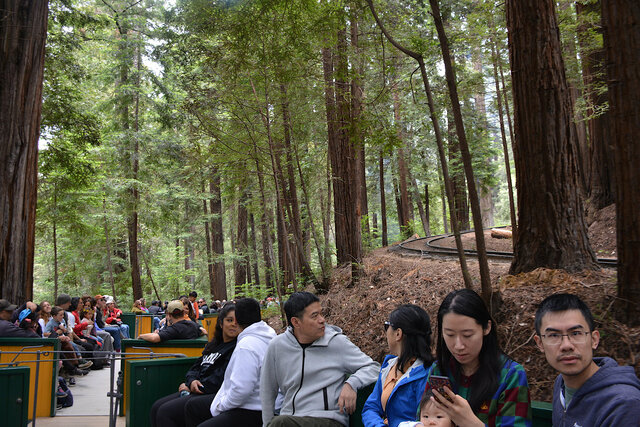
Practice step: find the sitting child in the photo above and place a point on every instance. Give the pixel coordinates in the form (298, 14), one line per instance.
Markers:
(429, 415)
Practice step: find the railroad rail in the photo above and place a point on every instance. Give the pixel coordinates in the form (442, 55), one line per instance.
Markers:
(431, 248)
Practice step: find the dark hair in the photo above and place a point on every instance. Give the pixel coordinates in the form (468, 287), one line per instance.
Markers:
(63, 299)
(185, 301)
(297, 302)
(74, 304)
(55, 311)
(247, 312)
(193, 294)
(466, 302)
(563, 302)
(426, 398)
(217, 335)
(416, 330)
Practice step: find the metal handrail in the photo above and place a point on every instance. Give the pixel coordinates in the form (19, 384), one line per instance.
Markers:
(111, 355)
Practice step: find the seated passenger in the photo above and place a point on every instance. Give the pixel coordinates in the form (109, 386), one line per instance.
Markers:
(10, 329)
(403, 376)
(590, 391)
(237, 403)
(309, 364)
(137, 307)
(177, 327)
(189, 406)
(113, 314)
(491, 388)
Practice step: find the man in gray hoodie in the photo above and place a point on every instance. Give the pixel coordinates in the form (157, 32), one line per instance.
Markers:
(590, 391)
(315, 367)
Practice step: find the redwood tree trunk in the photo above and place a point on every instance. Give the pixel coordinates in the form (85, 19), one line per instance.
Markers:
(241, 264)
(601, 168)
(23, 30)
(620, 19)
(343, 164)
(219, 290)
(383, 201)
(551, 227)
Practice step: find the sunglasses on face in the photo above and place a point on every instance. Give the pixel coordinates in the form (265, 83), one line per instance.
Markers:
(386, 326)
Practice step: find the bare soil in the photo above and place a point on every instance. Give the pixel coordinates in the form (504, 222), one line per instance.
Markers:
(391, 278)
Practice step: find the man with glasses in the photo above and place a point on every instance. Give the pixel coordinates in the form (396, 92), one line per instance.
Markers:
(589, 391)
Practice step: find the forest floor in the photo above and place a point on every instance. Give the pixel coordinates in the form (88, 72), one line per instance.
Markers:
(392, 278)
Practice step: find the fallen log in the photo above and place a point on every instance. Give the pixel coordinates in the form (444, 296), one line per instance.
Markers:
(498, 233)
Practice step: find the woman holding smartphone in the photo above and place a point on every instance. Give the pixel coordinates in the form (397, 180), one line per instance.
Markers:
(488, 388)
(403, 375)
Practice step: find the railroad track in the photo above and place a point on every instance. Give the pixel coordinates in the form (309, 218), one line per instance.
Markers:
(431, 247)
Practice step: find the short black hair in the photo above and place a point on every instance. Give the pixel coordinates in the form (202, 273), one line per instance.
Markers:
(297, 302)
(563, 302)
(63, 299)
(193, 294)
(247, 312)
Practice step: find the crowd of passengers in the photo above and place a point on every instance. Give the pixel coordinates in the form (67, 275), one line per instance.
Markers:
(310, 374)
(90, 328)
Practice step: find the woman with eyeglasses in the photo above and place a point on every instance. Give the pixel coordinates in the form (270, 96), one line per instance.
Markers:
(403, 374)
(489, 389)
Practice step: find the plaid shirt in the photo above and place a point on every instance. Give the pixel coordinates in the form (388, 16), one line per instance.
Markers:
(510, 405)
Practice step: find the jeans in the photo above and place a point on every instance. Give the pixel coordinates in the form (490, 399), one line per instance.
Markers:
(115, 333)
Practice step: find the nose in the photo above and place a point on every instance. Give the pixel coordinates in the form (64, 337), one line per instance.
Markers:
(565, 343)
(321, 319)
(458, 344)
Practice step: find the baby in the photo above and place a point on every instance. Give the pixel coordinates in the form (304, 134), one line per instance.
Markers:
(430, 416)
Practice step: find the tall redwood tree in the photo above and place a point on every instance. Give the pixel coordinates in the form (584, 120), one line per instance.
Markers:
(621, 21)
(23, 31)
(551, 228)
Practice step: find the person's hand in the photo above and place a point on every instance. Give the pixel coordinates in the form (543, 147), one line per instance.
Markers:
(183, 387)
(83, 340)
(347, 399)
(459, 410)
(64, 338)
(204, 331)
(195, 387)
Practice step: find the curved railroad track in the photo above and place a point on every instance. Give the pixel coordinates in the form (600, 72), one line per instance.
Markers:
(431, 248)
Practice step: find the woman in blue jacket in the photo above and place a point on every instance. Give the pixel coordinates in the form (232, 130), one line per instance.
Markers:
(403, 375)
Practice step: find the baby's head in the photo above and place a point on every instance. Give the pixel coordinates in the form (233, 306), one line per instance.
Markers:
(430, 416)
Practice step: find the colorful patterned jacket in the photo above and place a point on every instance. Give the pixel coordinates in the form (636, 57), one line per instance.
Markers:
(510, 405)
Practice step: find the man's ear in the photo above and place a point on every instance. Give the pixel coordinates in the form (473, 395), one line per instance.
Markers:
(538, 342)
(595, 339)
(295, 322)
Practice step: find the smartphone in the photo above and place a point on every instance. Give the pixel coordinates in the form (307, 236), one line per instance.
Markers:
(437, 382)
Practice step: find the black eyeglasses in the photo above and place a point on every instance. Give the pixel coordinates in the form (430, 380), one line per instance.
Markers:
(575, 337)
(386, 326)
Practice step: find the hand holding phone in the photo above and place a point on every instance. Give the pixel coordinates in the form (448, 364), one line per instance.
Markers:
(438, 383)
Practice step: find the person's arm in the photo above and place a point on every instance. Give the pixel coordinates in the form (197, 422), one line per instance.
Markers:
(362, 368)
(193, 373)
(151, 337)
(268, 384)
(244, 374)
(372, 412)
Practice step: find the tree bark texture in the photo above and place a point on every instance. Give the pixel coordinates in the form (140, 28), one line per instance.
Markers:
(621, 21)
(343, 165)
(207, 235)
(403, 206)
(219, 290)
(23, 31)
(551, 229)
(601, 189)
(241, 263)
(383, 201)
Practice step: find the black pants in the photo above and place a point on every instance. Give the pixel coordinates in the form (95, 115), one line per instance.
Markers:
(235, 418)
(186, 411)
